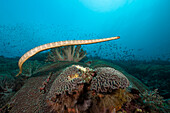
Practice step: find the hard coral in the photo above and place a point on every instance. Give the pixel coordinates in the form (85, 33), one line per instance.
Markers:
(69, 92)
(107, 79)
(68, 80)
(67, 53)
(153, 99)
(77, 88)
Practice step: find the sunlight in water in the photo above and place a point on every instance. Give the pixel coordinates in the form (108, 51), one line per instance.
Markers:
(104, 5)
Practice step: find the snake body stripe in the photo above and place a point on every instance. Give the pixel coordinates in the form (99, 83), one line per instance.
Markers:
(40, 48)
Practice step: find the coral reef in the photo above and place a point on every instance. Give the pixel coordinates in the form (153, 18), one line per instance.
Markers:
(71, 87)
(77, 89)
(153, 99)
(133, 106)
(110, 103)
(155, 74)
(147, 102)
(134, 82)
(7, 84)
(8, 65)
(66, 53)
(31, 68)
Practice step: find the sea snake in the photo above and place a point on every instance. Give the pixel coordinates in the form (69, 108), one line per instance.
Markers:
(40, 48)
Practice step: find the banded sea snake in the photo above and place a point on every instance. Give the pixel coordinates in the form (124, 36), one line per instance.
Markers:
(40, 48)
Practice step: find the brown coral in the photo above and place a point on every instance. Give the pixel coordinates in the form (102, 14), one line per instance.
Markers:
(74, 89)
(66, 53)
(110, 103)
(66, 103)
(64, 83)
(69, 80)
(108, 79)
(69, 91)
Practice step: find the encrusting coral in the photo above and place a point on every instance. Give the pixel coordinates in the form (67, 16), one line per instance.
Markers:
(66, 53)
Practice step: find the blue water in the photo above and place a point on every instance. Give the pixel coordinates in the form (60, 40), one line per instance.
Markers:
(143, 26)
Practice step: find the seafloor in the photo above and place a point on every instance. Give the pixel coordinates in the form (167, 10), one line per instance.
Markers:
(149, 90)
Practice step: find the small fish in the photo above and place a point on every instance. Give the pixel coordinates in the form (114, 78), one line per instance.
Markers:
(140, 49)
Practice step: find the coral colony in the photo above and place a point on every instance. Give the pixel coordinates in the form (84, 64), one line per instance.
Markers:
(77, 88)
